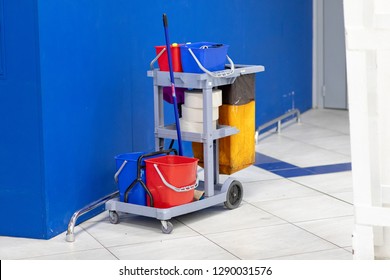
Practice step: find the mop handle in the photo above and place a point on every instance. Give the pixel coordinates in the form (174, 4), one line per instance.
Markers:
(165, 21)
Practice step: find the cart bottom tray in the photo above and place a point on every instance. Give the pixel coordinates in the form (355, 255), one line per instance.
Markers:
(230, 193)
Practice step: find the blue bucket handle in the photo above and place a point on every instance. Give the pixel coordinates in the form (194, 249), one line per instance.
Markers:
(116, 175)
(216, 74)
(119, 171)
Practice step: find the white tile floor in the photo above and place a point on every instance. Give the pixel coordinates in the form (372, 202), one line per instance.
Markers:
(308, 217)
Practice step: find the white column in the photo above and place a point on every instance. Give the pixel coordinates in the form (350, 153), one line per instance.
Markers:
(367, 25)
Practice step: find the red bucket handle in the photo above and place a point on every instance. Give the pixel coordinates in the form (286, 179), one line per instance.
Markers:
(182, 189)
(156, 58)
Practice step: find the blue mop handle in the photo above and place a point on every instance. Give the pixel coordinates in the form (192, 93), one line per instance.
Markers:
(165, 21)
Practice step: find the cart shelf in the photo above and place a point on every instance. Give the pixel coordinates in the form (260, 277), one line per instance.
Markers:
(200, 81)
(168, 213)
(169, 132)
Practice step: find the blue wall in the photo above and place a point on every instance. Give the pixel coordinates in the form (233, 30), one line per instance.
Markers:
(22, 199)
(276, 34)
(74, 91)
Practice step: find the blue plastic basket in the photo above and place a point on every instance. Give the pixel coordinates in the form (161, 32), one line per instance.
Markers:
(212, 56)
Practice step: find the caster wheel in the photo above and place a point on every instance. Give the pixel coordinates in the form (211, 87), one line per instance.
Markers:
(114, 217)
(166, 227)
(234, 195)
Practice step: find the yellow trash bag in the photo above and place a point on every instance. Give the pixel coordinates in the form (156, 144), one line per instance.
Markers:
(236, 152)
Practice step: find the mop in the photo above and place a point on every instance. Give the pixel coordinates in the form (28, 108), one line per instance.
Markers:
(165, 21)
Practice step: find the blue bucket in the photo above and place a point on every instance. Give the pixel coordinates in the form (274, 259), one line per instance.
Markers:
(212, 56)
(127, 175)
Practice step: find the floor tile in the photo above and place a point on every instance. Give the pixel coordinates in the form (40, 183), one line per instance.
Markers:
(330, 168)
(339, 143)
(250, 174)
(133, 229)
(103, 216)
(286, 170)
(278, 145)
(349, 249)
(344, 196)
(327, 183)
(190, 248)
(220, 219)
(274, 190)
(269, 163)
(306, 208)
(269, 242)
(300, 154)
(336, 120)
(336, 230)
(95, 254)
(305, 131)
(313, 170)
(333, 254)
(21, 248)
(315, 157)
(295, 172)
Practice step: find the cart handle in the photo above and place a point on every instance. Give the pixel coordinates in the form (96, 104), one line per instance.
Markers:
(216, 74)
(182, 189)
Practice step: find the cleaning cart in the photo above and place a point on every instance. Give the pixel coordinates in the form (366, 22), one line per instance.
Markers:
(230, 192)
(204, 70)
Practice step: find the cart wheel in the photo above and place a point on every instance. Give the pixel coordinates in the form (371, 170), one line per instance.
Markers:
(234, 195)
(114, 217)
(166, 227)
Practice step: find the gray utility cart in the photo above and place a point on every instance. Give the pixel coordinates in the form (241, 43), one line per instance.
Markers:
(229, 192)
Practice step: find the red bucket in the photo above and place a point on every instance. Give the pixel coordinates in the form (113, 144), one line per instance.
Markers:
(163, 59)
(171, 180)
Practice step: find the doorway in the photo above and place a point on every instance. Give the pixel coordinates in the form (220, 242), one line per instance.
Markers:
(329, 60)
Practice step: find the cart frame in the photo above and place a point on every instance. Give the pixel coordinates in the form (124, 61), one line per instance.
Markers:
(229, 192)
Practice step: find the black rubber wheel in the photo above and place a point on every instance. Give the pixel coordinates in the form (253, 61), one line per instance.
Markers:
(169, 228)
(234, 195)
(114, 217)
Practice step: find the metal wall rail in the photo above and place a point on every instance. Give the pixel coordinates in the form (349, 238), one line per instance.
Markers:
(278, 120)
(86, 209)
